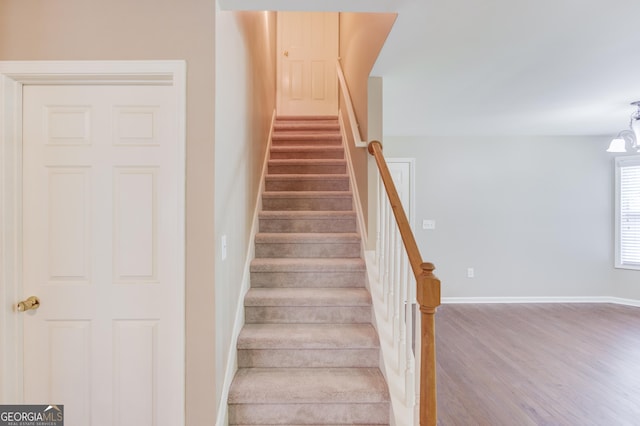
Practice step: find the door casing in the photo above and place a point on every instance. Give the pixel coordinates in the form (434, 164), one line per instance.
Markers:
(14, 75)
(409, 188)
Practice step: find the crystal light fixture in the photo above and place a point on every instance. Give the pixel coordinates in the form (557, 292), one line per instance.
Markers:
(627, 140)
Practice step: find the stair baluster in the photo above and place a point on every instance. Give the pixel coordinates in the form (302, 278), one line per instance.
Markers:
(423, 287)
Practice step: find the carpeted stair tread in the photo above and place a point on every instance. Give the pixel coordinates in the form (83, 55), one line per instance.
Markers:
(310, 414)
(306, 136)
(312, 223)
(284, 125)
(307, 200)
(310, 117)
(307, 148)
(308, 265)
(307, 195)
(317, 214)
(306, 161)
(307, 237)
(316, 297)
(311, 245)
(307, 306)
(308, 385)
(308, 336)
(307, 182)
(306, 151)
(309, 358)
(307, 176)
(307, 166)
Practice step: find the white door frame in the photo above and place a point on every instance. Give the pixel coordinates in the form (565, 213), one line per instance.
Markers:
(410, 210)
(14, 75)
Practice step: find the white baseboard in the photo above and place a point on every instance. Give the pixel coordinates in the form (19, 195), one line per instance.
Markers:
(626, 302)
(585, 299)
(232, 355)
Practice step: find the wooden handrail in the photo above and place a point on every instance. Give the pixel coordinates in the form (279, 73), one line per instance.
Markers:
(427, 294)
(351, 115)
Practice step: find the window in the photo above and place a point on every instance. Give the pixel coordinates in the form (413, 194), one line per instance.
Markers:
(628, 212)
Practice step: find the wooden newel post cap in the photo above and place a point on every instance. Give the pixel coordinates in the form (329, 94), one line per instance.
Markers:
(428, 290)
(428, 267)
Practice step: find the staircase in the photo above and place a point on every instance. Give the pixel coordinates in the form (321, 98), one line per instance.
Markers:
(308, 354)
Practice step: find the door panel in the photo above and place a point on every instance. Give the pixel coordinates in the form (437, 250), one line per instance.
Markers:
(308, 51)
(100, 231)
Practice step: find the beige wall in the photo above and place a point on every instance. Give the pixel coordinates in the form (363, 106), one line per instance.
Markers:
(362, 35)
(245, 96)
(146, 29)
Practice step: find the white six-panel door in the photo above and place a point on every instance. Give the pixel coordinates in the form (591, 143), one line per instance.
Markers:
(101, 213)
(307, 55)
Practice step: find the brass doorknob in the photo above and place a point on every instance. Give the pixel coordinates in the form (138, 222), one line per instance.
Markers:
(31, 303)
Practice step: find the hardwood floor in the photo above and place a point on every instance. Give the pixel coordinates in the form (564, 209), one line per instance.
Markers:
(538, 364)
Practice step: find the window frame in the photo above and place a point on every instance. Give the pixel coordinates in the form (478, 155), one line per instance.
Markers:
(620, 163)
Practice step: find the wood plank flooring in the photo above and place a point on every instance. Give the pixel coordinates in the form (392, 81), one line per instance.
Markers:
(538, 364)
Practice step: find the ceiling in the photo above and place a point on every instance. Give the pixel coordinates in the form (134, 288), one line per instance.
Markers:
(549, 67)
(544, 67)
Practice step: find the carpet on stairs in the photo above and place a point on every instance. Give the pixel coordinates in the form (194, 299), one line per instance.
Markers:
(308, 353)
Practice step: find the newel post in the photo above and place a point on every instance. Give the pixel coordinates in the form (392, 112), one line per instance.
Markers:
(428, 296)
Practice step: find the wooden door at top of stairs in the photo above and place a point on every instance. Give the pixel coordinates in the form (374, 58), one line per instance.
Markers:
(307, 54)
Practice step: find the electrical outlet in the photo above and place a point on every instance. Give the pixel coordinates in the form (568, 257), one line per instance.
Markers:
(428, 224)
(471, 273)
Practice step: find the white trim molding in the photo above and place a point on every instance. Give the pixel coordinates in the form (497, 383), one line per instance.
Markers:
(514, 300)
(14, 75)
(410, 210)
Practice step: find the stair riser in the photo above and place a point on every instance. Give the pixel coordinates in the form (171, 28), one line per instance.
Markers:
(308, 314)
(306, 119)
(315, 358)
(307, 134)
(308, 225)
(307, 279)
(306, 127)
(309, 414)
(325, 154)
(308, 204)
(274, 183)
(305, 142)
(307, 250)
(307, 169)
